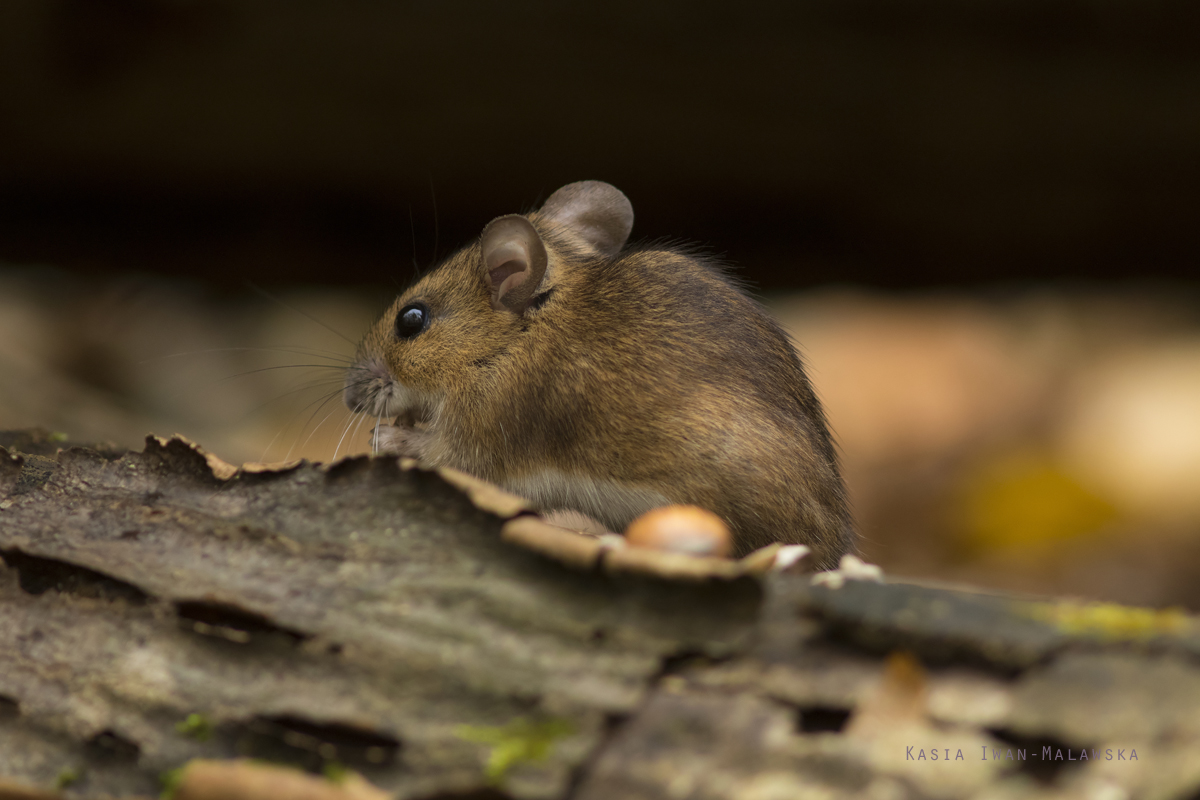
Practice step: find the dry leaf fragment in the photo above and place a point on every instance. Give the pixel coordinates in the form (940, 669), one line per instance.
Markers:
(851, 568)
(789, 555)
(563, 545)
(221, 469)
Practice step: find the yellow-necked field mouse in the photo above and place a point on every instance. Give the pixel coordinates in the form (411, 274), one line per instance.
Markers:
(550, 359)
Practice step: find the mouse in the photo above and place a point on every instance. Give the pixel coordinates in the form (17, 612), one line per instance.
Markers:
(593, 377)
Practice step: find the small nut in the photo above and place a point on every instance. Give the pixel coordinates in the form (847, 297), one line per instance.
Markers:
(681, 529)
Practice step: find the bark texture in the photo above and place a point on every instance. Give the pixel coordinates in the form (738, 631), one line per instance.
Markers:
(425, 631)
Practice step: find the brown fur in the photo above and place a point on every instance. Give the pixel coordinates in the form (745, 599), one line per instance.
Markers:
(650, 370)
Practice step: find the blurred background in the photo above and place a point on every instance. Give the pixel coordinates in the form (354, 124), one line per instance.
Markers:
(978, 219)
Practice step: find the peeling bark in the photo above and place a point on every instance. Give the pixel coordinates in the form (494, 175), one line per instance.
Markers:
(428, 632)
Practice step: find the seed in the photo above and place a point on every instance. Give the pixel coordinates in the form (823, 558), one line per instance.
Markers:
(681, 529)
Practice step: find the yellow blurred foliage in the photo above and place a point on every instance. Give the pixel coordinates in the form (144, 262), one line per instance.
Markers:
(1025, 501)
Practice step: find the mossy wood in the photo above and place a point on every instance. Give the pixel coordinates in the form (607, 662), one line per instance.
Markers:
(160, 606)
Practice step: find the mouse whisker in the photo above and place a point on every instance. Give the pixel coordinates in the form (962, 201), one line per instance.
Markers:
(324, 398)
(338, 368)
(306, 387)
(304, 314)
(314, 353)
(345, 430)
(361, 419)
(313, 432)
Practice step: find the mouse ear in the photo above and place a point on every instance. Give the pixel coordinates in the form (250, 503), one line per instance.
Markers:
(514, 261)
(595, 212)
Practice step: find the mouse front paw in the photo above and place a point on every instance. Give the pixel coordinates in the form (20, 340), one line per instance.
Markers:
(400, 440)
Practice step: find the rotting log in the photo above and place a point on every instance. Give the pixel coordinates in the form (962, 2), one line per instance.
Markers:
(426, 631)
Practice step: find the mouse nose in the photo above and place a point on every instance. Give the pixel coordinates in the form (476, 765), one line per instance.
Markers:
(362, 384)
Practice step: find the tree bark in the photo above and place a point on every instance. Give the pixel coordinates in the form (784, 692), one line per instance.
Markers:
(426, 631)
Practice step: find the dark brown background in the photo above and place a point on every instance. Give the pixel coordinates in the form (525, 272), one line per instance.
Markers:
(895, 143)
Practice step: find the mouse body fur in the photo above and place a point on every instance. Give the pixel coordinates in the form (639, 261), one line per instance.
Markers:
(551, 360)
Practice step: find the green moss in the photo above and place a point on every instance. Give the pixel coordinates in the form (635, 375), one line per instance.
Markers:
(57, 436)
(335, 772)
(68, 777)
(1109, 621)
(171, 780)
(196, 726)
(520, 741)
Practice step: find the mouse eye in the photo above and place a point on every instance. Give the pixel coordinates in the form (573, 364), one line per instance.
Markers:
(411, 320)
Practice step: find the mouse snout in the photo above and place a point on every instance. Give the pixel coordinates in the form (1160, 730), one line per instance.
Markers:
(363, 383)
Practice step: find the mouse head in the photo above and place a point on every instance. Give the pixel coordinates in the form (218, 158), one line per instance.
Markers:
(464, 316)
